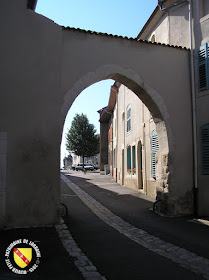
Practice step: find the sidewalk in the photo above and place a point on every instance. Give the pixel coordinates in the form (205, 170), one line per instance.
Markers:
(55, 262)
(187, 231)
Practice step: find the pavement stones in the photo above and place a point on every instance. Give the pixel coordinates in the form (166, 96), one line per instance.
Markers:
(183, 257)
(85, 266)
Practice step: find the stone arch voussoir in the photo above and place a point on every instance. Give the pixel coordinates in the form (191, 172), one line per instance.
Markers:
(154, 102)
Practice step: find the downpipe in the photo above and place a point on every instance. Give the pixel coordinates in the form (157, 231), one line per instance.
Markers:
(194, 120)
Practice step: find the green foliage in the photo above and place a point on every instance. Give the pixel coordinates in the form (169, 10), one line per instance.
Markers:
(81, 138)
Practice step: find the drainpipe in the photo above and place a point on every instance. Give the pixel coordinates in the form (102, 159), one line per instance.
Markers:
(194, 120)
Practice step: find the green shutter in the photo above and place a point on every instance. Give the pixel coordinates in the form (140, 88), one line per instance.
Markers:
(204, 137)
(134, 160)
(154, 150)
(129, 160)
(203, 67)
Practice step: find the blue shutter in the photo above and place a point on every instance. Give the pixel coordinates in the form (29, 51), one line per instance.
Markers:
(154, 150)
(204, 140)
(203, 67)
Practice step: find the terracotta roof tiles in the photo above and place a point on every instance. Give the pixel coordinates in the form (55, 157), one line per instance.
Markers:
(122, 37)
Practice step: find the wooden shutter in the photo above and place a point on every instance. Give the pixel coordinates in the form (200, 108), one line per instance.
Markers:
(204, 136)
(154, 150)
(133, 160)
(203, 67)
(129, 160)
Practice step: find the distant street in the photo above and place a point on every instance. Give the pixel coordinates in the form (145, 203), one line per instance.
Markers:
(116, 229)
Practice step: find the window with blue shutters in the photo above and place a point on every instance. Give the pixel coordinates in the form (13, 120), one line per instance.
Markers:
(204, 140)
(154, 150)
(203, 67)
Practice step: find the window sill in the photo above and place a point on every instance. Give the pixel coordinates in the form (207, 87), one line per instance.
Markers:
(202, 93)
(205, 18)
(131, 175)
(152, 180)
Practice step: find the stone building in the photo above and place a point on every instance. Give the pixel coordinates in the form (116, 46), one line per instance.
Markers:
(94, 159)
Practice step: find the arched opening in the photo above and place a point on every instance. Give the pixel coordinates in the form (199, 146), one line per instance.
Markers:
(136, 155)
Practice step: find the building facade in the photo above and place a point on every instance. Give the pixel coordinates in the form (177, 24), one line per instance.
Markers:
(186, 23)
(134, 147)
(134, 143)
(95, 160)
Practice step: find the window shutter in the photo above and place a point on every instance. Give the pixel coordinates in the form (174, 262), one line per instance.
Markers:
(128, 129)
(203, 67)
(129, 159)
(133, 160)
(204, 136)
(154, 150)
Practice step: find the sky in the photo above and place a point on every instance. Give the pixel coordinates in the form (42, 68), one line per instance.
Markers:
(117, 17)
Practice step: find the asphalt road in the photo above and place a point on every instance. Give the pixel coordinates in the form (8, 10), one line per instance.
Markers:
(115, 255)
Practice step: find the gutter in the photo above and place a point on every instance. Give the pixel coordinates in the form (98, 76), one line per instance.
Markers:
(173, 5)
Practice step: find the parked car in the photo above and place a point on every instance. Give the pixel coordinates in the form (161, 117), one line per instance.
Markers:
(86, 166)
(73, 166)
(95, 166)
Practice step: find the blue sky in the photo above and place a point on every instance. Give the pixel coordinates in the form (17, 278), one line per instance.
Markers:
(117, 17)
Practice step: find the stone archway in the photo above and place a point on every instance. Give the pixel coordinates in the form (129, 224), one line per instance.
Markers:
(154, 102)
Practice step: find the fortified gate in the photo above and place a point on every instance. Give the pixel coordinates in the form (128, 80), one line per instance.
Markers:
(44, 67)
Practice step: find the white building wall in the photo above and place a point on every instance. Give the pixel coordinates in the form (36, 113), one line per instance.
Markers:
(139, 137)
(173, 27)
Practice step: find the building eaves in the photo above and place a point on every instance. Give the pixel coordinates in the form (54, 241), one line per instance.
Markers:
(157, 14)
(31, 4)
(106, 112)
(148, 22)
(121, 37)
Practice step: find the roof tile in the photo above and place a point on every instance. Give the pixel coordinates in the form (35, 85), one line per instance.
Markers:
(121, 37)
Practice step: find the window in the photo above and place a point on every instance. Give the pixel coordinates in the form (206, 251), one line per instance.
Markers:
(204, 140)
(129, 160)
(154, 150)
(128, 119)
(203, 67)
(153, 38)
(133, 160)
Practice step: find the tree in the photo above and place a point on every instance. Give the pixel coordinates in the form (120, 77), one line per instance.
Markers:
(81, 138)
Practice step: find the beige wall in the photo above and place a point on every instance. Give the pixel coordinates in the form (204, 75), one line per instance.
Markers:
(43, 69)
(201, 35)
(29, 114)
(142, 126)
(172, 27)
